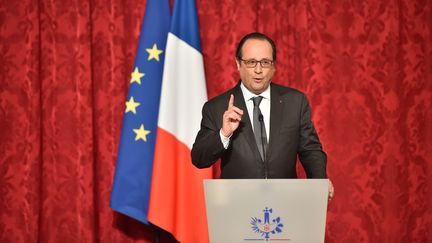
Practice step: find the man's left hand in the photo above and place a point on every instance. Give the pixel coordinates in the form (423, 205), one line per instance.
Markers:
(331, 191)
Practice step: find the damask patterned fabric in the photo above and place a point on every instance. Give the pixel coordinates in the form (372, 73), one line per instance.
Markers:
(366, 67)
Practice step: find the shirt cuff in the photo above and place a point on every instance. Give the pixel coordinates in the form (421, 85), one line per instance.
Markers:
(225, 140)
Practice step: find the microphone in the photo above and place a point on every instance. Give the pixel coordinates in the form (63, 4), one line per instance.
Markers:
(263, 142)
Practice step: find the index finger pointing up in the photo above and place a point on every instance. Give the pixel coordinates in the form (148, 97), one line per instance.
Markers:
(231, 101)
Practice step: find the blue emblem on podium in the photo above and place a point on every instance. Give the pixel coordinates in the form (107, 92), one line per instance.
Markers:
(267, 226)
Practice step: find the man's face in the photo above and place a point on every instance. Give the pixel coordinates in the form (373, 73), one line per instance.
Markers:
(256, 79)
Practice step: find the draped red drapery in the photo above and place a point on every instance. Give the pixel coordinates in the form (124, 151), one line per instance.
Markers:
(366, 67)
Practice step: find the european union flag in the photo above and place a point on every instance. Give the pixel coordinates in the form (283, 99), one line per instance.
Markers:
(133, 175)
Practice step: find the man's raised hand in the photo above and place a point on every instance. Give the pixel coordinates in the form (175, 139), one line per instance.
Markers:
(231, 118)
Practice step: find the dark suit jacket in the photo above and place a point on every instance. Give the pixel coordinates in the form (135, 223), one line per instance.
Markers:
(291, 134)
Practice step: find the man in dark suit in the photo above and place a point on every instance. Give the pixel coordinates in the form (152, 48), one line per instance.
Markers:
(259, 128)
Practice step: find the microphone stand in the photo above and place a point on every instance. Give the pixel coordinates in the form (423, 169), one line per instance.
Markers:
(263, 142)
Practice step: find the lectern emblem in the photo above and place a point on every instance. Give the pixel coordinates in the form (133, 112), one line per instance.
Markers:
(267, 226)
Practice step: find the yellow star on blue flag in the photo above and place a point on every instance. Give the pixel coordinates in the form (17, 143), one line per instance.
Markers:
(154, 52)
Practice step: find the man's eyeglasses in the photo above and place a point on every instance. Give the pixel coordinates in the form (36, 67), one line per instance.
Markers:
(251, 63)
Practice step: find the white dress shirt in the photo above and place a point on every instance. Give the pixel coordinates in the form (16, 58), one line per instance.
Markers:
(264, 107)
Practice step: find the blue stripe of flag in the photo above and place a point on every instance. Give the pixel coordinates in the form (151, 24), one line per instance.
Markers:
(186, 25)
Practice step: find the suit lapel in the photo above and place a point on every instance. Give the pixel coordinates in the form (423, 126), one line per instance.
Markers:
(246, 124)
(276, 109)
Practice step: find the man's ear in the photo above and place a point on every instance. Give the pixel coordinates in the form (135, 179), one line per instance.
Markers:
(238, 64)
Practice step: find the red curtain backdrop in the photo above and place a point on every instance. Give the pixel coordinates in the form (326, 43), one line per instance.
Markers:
(366, 67)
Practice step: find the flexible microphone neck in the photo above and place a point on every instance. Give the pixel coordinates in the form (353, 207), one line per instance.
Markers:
(263, 143)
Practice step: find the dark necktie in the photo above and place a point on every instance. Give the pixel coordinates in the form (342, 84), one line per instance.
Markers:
(259, 134)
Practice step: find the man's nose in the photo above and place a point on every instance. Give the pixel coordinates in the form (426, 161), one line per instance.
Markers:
(258, 68)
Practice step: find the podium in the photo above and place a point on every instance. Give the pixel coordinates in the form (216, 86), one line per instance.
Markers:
(266, 210)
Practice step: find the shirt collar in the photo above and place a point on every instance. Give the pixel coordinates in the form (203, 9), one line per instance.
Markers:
(249, 95)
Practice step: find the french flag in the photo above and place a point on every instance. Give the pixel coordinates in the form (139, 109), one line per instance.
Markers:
(177, 194)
